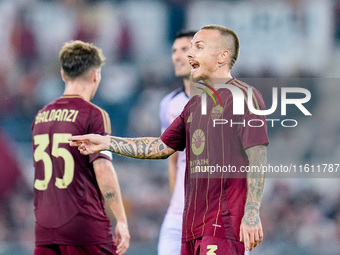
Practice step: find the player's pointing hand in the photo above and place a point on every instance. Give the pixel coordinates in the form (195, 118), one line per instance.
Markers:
(89, 144)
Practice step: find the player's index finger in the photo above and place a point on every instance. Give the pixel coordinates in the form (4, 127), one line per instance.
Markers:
(76, 138)
(241, 234)
(75, 144)
(246, 240)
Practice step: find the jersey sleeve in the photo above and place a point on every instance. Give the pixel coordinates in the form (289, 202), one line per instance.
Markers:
(254, 131)
(175, 136)
(100, 124)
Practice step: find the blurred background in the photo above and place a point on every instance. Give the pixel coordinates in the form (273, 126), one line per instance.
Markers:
(279, 39)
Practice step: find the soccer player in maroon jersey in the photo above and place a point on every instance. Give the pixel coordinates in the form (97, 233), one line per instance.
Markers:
(222, 210)
(70, 189)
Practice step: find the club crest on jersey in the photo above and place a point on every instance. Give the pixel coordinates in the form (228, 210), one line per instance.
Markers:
(198, 142)
(216, 112)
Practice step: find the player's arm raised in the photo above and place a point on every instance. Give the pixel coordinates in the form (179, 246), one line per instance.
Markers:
(251, 232)
(142, 148)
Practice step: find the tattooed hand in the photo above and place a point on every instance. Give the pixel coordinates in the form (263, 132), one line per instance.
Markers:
(251, 232)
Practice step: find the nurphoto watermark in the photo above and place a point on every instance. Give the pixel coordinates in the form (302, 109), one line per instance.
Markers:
(244, 97)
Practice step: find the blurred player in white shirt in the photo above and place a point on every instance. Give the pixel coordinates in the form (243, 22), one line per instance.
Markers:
(171, 106)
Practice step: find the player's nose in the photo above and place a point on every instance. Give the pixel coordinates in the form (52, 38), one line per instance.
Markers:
(189, 53)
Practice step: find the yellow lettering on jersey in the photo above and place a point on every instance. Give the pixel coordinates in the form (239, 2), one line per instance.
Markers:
(37, 119)
(70, 116)
(57, 115)
(45, 119)
(201, 163)
(63, 114)
(211, 249)
(51, 115)
(75, 116)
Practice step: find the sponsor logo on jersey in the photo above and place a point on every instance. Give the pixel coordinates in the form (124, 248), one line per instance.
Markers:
(198, 142)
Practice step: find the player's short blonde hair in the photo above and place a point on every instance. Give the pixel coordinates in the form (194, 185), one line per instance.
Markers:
(230, 41)
(77, 57)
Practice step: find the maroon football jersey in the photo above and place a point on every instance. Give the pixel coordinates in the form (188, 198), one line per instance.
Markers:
(69, 206)
(215, 195)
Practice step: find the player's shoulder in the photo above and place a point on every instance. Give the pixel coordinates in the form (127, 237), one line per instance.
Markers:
(240, 84)
(101, 113)
(252, 92)
(245, 88)
(97, 108)
(243, 85)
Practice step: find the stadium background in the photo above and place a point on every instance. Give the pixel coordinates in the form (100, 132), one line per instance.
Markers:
(279, 39)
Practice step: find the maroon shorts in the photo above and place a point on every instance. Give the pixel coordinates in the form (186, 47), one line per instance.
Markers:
(57, 249)
(210, 245)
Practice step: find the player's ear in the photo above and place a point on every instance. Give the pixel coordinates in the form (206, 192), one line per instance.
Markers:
(62, 75)
(223, 57)
(95, 74)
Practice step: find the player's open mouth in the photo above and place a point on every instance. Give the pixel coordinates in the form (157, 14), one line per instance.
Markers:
(195, 66)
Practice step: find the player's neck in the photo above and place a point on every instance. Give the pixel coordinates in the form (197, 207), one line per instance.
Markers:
(219, 77)
(222, 73)
(78, 88)
(214, 81)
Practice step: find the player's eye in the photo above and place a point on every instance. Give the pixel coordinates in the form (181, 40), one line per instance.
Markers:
(199, 46)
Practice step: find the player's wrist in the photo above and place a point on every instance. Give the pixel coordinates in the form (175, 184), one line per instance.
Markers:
(123, 223)
(107, 142)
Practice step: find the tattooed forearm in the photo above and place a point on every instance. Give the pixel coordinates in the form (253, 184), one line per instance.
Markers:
(143, 148)
(257, 156)
(111, 195)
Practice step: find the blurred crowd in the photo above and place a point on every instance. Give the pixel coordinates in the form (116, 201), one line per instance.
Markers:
(300, 216)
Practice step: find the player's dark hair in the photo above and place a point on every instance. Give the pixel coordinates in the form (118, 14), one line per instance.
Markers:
(77, 57)
(231, 41)
(185, 33)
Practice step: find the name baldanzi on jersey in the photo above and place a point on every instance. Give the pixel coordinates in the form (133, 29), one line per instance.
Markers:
(68, 115)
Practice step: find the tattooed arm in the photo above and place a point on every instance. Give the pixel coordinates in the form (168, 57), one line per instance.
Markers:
(143, 148)
(108, 183)
(251, 232)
